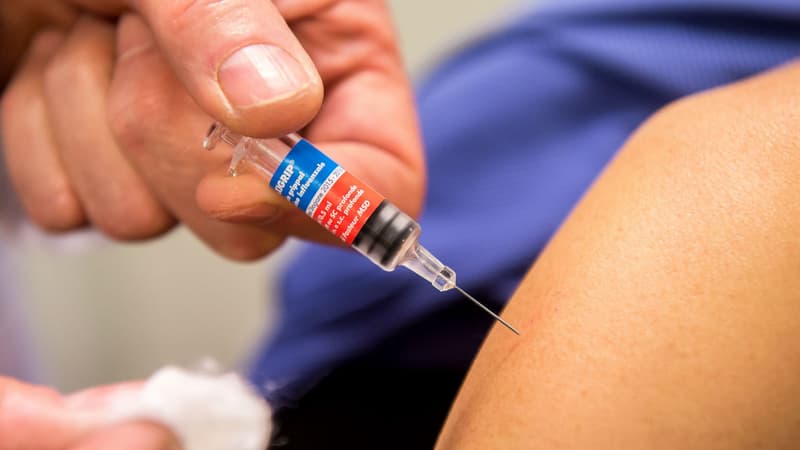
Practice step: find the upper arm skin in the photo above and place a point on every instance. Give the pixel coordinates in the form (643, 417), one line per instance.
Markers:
(666, 311)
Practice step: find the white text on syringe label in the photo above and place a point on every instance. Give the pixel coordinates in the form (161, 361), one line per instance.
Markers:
(325, 191)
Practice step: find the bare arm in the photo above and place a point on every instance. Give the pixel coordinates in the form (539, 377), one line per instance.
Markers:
(666, 311)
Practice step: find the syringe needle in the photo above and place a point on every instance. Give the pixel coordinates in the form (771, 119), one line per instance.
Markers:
(496, 317)
(370, 223)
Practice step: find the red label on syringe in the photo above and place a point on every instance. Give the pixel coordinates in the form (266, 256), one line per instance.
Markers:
(325, 191)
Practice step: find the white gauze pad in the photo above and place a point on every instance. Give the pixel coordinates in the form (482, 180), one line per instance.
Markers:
(205, 411)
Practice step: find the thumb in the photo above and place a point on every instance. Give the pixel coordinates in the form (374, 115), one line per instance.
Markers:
(239, 60)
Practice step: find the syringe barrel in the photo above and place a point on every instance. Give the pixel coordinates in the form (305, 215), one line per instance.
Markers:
(346, 206)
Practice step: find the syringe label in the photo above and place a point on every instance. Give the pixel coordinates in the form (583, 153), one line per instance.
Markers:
(302, 174)
(325, 191)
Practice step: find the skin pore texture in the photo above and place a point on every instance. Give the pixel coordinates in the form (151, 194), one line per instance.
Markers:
(665, 313)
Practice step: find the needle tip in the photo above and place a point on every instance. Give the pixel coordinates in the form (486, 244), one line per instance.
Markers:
(491, 313)
(513, 330)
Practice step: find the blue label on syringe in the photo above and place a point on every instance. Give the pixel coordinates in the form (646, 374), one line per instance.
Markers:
(317, 185)
(305, 174)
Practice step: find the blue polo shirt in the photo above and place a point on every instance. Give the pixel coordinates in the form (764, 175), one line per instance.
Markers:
(516, 127)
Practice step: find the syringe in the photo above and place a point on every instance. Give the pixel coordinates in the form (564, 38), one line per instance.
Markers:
(340, 202)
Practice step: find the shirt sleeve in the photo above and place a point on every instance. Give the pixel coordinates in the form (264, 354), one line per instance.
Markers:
(517, 125)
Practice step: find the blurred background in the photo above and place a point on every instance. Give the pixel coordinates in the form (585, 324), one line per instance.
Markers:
(104, 312)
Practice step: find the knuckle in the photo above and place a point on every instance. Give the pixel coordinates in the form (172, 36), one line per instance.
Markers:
(135, 218)
(129, 116)
(65, 74)
(57, 211)
(46, 40)
(82, 63)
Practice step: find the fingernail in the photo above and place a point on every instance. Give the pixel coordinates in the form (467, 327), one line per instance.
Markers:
(259, 74)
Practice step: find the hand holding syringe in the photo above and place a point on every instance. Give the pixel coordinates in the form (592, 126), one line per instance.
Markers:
(340, 202)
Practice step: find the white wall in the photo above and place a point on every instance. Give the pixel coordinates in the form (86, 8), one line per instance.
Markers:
(429, 28)
(113, 311)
